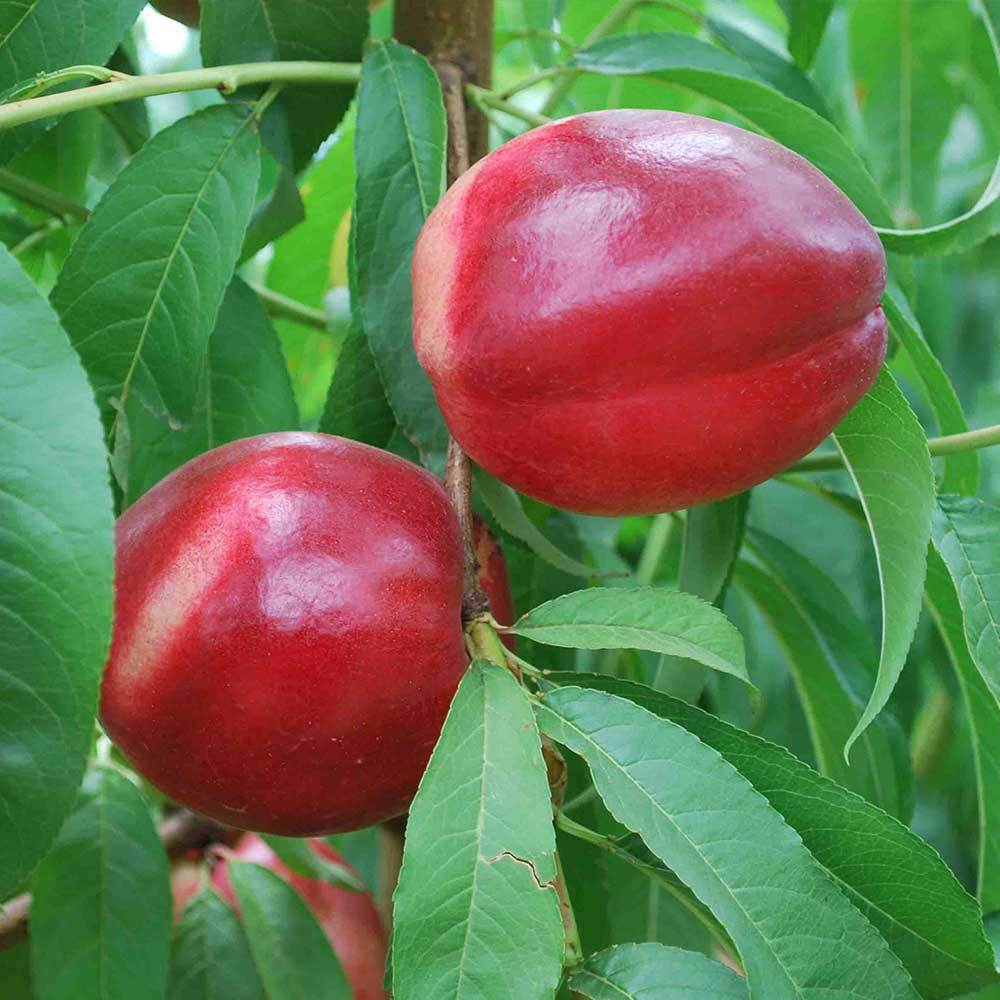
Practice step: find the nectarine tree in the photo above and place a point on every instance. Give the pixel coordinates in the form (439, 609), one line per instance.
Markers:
(472, 476)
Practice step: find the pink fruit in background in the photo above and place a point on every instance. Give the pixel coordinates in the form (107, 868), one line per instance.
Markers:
(637, 311)
(287, 633)
(350, 919)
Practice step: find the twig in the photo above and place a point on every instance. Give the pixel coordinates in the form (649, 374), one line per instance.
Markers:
(226, 79)
(950, 444)
(285, 308)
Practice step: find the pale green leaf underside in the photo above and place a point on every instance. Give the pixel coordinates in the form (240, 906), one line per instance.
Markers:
(967, 534)
(897, 880)
(475, 913)
(724, 840)
(885, 451)
(657, 619)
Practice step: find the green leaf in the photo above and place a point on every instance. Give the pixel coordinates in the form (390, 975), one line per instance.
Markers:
(356, 406)
(15, 972)
(983, 713)
(293, 955)
(783, 75)
(296, 853)
(961, 470)
(301, 269)
(885, 451)
(655, 972)
(140, 291)
(56, 567)
(211, 959)
(897, 880)
(713, 534)
(244, 390)
(806, 24)
(476, 914)
(239, 31)
(101, 911)
(400, 164)
(837, 661)
(734, 84)
(903, 58)
(724, 840)
(967, 535)
(505, 506)
(831, 710)
(38, 36)
(653, 618)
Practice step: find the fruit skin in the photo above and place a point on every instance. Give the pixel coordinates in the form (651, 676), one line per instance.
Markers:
(350, 919)
(493, 577)
(287, 634)
(637, 311)
(186, 11)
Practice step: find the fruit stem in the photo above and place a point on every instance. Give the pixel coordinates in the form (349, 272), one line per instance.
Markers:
(950, 444)
(119, 87)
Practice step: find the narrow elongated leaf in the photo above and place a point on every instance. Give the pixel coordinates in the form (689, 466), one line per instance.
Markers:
(783, 75)
(56, 566)
(303, 860)
(100, 918)
(356, 406)
(475, 911)
(713, 534)
(899, 60)
(885, 451)
(967, 534)
(505, 505)
(302, 268)
(244, 390)
(294, 958)
(211, 957)
(725, 841)
(655, 972)
(239, 31)
(37, 36)
(984, 722)
(400, 165)
(961, 470)
(654, 618)
(897, 880)
(733, 83)
(806, 23)
(140, 290)
(830, 708)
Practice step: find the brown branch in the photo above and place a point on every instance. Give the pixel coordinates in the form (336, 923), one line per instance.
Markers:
(457, 33)
(180, 832)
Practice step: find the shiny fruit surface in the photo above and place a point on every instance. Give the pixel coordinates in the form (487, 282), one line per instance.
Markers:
(637, 311)
(287, 634)
(350, 919)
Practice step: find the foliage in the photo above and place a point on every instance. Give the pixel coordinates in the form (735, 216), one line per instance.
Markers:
(781, 712)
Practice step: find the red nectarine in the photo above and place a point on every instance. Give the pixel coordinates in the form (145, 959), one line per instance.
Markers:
(287, 634)
(637, 311)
